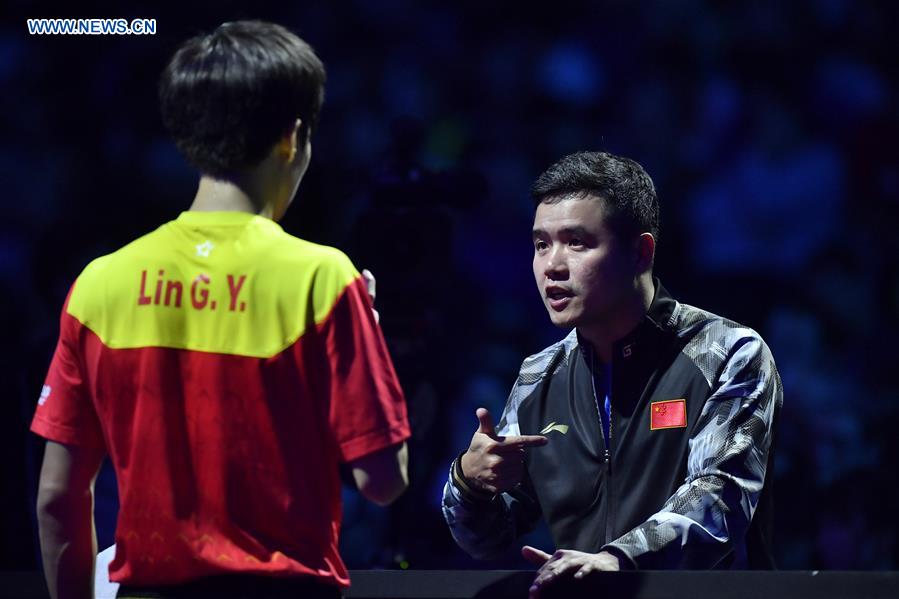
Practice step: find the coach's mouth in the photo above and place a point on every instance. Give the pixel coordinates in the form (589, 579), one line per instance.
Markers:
(558, 297)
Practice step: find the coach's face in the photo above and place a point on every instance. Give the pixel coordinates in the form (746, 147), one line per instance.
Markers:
(585, 274)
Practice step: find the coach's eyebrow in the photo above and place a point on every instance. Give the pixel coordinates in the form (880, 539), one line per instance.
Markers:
(575, 231)
(568, 231)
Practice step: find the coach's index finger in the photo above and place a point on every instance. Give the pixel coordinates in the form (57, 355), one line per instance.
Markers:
(519, 442)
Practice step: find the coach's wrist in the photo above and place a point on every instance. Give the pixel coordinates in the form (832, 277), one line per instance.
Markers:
(468, 488)
(625, 562)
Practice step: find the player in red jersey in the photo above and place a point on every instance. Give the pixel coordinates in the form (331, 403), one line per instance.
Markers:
(226, 367)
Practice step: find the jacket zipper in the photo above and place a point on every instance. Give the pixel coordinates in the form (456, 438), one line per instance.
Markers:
(610, 516)
(607, 452)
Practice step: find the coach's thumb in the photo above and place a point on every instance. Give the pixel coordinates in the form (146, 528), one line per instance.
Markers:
(485, 422)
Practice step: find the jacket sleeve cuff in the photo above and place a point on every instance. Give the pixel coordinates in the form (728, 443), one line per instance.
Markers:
(461, 484)
(625, 561)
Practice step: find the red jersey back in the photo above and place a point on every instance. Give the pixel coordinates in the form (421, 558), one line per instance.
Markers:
(227, 368)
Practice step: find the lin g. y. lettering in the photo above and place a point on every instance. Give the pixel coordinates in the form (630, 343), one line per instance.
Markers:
(170, 292)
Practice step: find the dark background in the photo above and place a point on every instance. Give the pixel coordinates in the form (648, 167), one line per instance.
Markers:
(769, 128)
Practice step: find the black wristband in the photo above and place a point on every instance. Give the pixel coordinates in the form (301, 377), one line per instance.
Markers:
(466, 489)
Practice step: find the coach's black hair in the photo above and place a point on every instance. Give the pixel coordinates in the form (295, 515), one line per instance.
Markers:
(227, 97)
(626, 189)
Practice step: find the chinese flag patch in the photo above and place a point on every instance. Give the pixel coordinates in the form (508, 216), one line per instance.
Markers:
(668, 414)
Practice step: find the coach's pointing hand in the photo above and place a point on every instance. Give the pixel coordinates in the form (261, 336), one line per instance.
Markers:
(494, 464)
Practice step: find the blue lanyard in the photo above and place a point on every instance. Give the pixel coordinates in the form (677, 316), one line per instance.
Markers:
(602, 384)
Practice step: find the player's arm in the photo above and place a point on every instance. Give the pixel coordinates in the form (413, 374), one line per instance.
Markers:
(367, 406)
(710, 513)
(65, 512)
(383, 475)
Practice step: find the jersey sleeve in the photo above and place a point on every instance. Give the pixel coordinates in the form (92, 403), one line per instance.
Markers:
(367, 407)
(65, 412)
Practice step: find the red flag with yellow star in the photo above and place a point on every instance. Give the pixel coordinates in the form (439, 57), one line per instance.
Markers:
(668, 414)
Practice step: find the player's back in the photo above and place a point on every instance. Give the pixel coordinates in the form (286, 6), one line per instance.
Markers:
(208, 351)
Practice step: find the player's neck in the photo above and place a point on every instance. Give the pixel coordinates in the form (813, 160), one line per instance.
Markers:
(218, 195)
(602, 334)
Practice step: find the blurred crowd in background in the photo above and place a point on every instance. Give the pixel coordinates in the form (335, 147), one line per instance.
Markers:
(770, 129)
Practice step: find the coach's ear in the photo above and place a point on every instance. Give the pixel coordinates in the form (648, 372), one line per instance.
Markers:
(646, 252)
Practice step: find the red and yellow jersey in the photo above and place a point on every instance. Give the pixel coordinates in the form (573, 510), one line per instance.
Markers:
(227, 368)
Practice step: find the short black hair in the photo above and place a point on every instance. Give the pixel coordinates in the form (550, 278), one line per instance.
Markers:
(227, 97)
(626, 189)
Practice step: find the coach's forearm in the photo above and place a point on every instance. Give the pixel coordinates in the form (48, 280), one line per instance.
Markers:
(68, 541)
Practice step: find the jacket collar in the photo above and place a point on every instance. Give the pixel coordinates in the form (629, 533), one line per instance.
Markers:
(662, 307)
(655, 324)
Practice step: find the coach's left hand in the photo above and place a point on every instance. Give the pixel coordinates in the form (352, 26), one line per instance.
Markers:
(566, 563)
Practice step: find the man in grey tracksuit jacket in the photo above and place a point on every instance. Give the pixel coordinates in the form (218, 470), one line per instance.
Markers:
(645, 437)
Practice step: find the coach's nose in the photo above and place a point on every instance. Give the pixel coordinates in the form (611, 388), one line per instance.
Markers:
(555, 266)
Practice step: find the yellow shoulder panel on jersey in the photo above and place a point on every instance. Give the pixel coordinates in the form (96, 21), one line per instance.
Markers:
(253, 294)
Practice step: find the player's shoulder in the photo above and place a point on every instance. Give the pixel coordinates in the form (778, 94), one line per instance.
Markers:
(324, 267)
(292, 249)
(108, 269)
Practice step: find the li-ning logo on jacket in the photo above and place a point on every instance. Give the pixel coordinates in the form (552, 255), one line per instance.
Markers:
(552, 426)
